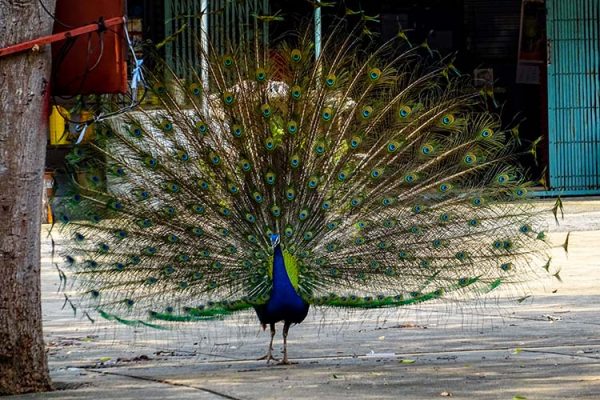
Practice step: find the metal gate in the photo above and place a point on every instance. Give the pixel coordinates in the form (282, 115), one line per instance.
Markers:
(573, 28)
(228, 21)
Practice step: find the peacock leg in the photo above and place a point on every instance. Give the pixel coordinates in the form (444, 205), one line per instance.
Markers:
(286, 328)
(269, 355)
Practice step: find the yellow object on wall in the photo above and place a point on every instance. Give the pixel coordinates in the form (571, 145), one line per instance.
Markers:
(58, 126)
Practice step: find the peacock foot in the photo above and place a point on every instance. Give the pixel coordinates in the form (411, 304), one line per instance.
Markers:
(268, 357)
(285, 361)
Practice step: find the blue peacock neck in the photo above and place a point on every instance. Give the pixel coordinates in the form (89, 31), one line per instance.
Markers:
(281, 278)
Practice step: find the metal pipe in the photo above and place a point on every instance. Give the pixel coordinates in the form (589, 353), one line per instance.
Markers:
(317, 17)
(204, 54)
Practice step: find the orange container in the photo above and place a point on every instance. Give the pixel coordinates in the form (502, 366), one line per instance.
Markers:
(46, 196)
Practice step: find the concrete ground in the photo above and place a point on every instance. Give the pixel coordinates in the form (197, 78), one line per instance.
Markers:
(546, 346)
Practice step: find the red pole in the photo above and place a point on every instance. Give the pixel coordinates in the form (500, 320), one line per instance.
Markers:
(16, 48)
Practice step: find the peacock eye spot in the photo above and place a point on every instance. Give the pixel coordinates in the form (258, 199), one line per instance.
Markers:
(296, 55)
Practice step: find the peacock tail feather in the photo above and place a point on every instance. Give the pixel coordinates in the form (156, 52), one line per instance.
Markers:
(385, 174)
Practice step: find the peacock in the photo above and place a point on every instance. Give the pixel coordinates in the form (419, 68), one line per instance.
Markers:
(278, 178)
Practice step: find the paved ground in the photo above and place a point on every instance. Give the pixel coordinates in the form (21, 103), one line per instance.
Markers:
(546, 347)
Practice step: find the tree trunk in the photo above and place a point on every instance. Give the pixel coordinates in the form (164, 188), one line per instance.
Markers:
(24, 95)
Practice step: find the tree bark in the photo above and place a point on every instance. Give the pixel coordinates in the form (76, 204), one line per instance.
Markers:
(24, 96)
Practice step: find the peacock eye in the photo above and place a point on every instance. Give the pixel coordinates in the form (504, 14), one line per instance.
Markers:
(330, 80)
(374, 74)
(486, 133)
(296, 55)
(292, 127)
(404, 111)
(448, 119)
(376, 173)
(228, 98)
(296, 92)
(327, 114)
(366, 112)
(270, 144)
(237, 131)
(261, 75)
(227, 61)
(266, 110)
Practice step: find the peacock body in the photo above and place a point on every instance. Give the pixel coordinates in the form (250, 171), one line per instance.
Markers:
(351, 179)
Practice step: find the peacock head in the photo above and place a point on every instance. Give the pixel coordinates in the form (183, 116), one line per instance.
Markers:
(275, 239)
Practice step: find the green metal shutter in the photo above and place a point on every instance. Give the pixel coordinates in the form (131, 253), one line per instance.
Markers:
(574, 96)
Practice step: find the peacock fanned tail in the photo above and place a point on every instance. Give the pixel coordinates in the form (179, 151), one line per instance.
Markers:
(385, 175)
